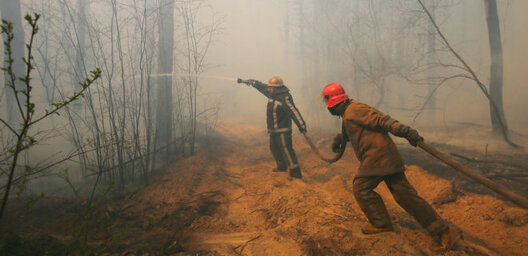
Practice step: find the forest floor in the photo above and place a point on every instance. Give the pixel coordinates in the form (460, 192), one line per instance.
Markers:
(225, 200)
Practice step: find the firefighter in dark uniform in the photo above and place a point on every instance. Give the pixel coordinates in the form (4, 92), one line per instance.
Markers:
(366, 128)
(279, 114)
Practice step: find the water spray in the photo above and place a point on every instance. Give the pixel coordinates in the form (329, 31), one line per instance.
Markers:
(193, 75)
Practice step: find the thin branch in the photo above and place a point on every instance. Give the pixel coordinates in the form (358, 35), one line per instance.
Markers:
(434, 91)
(479, 83)
(94, 75)
(7, 29)
(8, 126)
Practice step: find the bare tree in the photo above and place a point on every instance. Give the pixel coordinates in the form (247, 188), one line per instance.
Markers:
(24, 140)
(198, 39)
(431, 59)
(83, 8)
(496, 67)
(469, 74)
(165, 66)
(114, 133)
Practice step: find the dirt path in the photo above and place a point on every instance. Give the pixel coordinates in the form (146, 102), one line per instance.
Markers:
(226, 201)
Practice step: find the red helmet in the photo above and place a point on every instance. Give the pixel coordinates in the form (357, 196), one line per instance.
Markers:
(334, 94)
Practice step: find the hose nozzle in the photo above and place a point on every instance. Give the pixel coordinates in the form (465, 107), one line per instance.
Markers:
(240, 81)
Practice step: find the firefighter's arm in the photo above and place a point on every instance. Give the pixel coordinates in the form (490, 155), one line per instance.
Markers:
(295, 114)
(372, 118)
(368, 117)
(401, 130)
(260, 86)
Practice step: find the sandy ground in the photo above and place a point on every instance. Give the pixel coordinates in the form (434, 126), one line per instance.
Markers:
(226, 201)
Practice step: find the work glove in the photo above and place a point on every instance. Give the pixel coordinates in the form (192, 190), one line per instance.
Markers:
(251, 82)
(413, 137)
(247, 82)
(241, 81)
(407, 132)
(302, 129)
(338, 141)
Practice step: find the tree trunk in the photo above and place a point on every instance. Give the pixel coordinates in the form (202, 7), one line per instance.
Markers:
(496, 68)
(400, 54)
(82, 31)
(10, 11)
(302, 47)
(286, 36)
(165, 66)
(80, 69)
(431, 59)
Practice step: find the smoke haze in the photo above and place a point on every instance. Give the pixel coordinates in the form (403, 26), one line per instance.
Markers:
(380, 51)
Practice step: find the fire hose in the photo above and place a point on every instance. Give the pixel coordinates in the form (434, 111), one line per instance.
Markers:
(318, 153)
(521, 201)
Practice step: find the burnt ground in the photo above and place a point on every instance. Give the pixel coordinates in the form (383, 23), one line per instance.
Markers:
(226, 201)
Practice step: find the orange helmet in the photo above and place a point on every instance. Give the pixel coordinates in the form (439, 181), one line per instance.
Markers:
(275, 81)
(334, 94)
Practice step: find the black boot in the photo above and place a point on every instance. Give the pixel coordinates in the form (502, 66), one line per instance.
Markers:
(296, 173)
(448, 239)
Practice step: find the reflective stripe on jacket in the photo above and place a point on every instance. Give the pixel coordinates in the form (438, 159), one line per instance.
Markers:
(280, 109)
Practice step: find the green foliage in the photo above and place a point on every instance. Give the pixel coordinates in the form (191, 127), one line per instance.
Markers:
(27, 108)
(94, 75)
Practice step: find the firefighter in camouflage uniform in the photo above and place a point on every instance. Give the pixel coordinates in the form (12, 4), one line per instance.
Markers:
(279, 115)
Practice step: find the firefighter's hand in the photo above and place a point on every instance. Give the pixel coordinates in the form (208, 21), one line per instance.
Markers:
(302, 129)
(338, 141)
(413, 137)
(251, 82)
(246, 82)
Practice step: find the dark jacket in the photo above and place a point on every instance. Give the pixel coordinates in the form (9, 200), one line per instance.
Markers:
(367, 130)
(281, 109)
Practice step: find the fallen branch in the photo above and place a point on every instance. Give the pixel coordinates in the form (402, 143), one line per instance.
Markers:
(470, 159)
(476, 247)
(243, 245)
